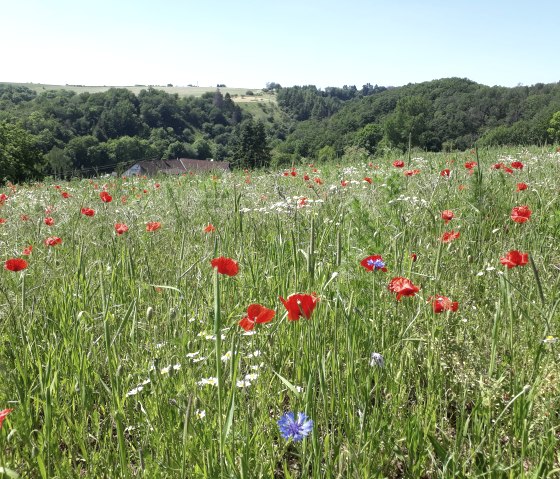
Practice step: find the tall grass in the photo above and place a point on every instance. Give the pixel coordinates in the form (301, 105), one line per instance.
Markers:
(122, 355)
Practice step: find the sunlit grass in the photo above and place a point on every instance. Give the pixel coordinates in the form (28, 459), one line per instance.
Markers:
(122, 354)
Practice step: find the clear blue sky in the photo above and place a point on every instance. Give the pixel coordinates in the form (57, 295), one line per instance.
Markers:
(248, 43)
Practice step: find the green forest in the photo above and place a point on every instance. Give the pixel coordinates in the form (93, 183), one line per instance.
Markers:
(64, 133)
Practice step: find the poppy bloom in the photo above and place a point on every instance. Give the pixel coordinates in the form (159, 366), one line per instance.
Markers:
(88, 212)
(469, 165)
(153, 226)
(398, 163)
(293, 172)
(447, 216)
(27, 251)
(121, 228)
(520, 214)
(65, 195)
(403, 287)
(3, 415)
(3, 221)
(306, 177)
(449, 236)
(343, 183)
(225, 265)
(446, 172)
(3, 198)
(256, 314)
(49, 221)
(105, 197)
(299, 305)
(411, 172)
(413, 257)
(517, 165)
(368, 179)
(15, 264)
(24, 217)
(318, 180)
(302, 202)
(53, 241)
(210, 228)
(442, 303)
(373, 263)
(521, 186)
(515, 258)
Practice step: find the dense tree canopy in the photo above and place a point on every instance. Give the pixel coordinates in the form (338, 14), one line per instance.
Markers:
(62, 132)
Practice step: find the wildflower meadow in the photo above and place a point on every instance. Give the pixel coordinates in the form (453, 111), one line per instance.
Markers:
(391, 317)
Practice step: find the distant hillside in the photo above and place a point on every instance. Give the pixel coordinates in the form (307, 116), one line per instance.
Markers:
(237, 94)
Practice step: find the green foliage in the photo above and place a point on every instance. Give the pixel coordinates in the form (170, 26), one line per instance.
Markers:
(554, 127)
(20, 159)
(368, 137)
(251, 147)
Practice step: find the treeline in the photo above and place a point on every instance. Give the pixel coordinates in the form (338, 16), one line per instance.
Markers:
(61, 132)
(445, 114)
(99, 132)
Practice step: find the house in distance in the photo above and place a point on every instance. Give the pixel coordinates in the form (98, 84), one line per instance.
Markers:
(175, 167)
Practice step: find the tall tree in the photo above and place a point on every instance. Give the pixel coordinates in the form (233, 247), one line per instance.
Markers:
(20, 159)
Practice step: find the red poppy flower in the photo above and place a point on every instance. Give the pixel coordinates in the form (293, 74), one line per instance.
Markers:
(105, 197)
(515, 258)
(306, 177)
(373, 263)
(256, 314)
(302, 202)
(368, 179)
(225, 265)
(66, 195)
(210, 228)
(521, 186)
(153, 226)
(293, 172)
(403, 287)
(286, 173)
(157, 185)
(398, 163)
(517, 165)
(447, 215)
(520, 214)
(299, 305)
(3, 415)
(469, 165)
(121, 228)
(443, 303)
(343, 183)
(88, 212)
(24, 217)
(49, 221)
(53, 241)
(497, 166)
(3, 221)
(318, 180)
(27, 251)
(449, 236)
(413, 257)
(411, 172)
(3, 198)
(445, 172)
(15, 264)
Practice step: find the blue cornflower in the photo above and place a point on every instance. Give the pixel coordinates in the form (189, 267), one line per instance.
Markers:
(377, 264)
(292, 429)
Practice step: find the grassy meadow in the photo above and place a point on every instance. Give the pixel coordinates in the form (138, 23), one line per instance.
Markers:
(237, 94)
(122, 353)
